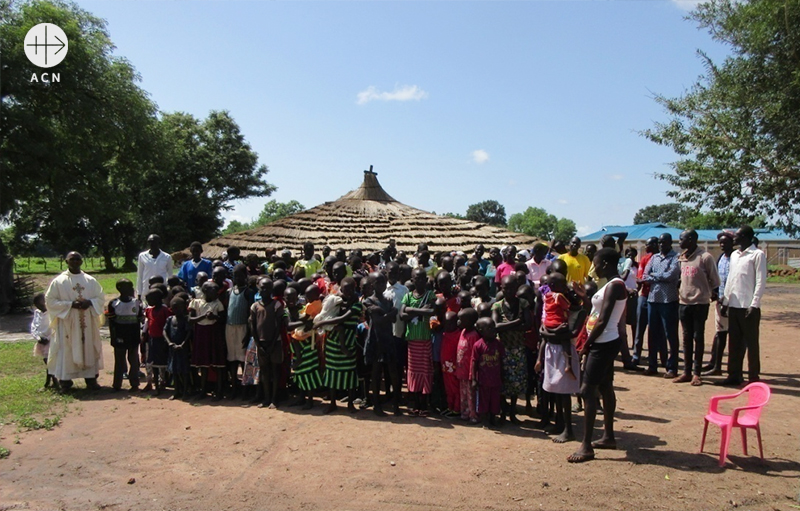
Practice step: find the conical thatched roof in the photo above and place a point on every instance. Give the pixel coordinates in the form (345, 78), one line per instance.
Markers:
(366, 219)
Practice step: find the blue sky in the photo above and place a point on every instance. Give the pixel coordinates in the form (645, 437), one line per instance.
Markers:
(530, 103)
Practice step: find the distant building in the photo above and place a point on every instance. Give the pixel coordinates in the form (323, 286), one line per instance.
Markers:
(779, 247)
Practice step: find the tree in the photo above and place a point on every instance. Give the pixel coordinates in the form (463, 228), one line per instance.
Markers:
(541, 224)
(565, 229)
(672, 214)
(64, 146)
(272, 211)
(487, 212)
(454, 215)
(714, 220)
(736, 132)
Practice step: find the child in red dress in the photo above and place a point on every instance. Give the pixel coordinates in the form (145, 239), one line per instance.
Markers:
(467, 338)
(487, 370)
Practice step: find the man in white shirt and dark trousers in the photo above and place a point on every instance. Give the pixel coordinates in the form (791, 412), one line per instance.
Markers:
(151, 263)
(742, 304)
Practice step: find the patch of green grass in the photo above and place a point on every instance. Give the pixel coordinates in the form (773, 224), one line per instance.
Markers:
(22, 400)
(109, 280)
(54, 265)
(4, 453)
(786, 279)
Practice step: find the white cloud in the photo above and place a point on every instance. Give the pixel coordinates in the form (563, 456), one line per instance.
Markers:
(563, 201)
(404, 93)
(583, 230)
(616, 177)
(480, 156)
(687, 5)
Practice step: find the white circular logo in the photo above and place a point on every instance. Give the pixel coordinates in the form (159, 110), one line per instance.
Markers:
(46, 45)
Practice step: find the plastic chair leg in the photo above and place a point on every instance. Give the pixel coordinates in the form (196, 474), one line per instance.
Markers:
(703, 440)
(723, 446)
(760, 449)
(744, 440)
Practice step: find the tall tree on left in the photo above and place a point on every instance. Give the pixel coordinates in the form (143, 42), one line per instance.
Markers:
(89, 161)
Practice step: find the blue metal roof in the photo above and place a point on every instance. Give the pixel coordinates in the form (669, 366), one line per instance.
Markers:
(641, 232)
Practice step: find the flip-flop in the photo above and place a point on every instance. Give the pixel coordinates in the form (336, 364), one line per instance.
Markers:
(579, 458)
(423, 413)
(598, 445)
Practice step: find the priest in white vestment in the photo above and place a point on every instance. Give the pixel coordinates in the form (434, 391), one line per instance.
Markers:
(75, 302)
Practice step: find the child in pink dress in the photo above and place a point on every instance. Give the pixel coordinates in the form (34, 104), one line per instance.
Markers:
(467, 339)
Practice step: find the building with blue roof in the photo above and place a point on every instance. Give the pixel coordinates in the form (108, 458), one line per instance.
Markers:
(779, 247)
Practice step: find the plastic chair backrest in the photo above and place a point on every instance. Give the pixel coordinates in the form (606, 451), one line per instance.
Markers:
(757, 395)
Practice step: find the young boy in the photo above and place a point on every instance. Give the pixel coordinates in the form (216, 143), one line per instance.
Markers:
(124, 322)
(157, 347)
(267, 317)
(240, 299)
(178, 334)
(380, 349)
(487, 370)
(41, 332)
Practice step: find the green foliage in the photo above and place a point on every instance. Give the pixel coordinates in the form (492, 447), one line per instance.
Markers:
(90, 162)
(455, 215)
(273, 210)
(541, 224)
(672, 214)
(736, 132)
(682, 217)
(565, 229)
(487, 212)
(4, 453)
(21, 379)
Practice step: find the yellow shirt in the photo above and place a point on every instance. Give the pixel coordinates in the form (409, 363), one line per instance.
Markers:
(311, 266)
(577, 267)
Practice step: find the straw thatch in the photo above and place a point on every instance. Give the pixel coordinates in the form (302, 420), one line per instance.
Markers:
(365, 219)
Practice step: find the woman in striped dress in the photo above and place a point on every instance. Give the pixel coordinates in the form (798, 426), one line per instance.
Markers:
(340, 347)
(415, 312)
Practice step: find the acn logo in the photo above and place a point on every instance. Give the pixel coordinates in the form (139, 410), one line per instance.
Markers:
(46, 45)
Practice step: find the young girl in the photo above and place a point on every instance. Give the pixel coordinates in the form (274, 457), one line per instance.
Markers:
(305, 362)
(467, 339)
(556, 319)
(157, 347)
(512, 319)
(209, 346)
(487, 370)
(417, 307)
(40, 330)
(340, 345)
(450, 338)
(178, 334)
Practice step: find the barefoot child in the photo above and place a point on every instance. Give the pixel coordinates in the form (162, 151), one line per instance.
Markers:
(267, 317)
(305, 362)
(450, 337)
(380, 349)
(417, 308)
(40, 330)
(157, 348)
(178, 334)
(340, 346)
(240, 299)
(556, 317)
(487, 370)
(512, 318)
(208, 349)
(124, 321)
(468, 336)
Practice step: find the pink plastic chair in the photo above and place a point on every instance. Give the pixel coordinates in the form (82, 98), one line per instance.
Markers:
(743, 417)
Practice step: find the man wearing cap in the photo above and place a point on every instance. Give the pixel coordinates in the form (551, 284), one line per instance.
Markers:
(152, 263)
(714, 367)
(744, 288)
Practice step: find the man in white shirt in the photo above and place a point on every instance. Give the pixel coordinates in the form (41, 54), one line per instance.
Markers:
(153, 262)
(538, 264)
(741, 302)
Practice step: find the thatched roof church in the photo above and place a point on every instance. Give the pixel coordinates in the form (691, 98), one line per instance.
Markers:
(365, 219)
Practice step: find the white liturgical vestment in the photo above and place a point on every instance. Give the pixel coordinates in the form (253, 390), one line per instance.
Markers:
(76, 350)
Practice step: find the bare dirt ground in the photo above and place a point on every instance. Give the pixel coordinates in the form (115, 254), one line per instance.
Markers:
(227, 456)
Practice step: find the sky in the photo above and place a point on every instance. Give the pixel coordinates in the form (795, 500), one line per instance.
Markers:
(530, 103)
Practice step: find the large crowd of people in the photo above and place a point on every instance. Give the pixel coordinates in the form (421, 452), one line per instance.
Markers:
(468, 335)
